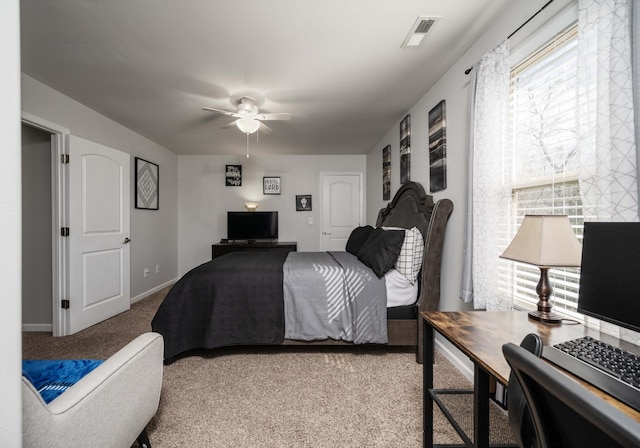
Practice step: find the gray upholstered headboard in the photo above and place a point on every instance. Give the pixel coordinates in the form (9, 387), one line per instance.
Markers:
(412, 207)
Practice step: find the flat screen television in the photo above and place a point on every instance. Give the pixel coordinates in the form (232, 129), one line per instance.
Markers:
(610, 273)
(252, 226)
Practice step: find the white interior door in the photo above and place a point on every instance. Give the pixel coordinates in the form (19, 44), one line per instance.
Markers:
(98, 233)
(342, 209)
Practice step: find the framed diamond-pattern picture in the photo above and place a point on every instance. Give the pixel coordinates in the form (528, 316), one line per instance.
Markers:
(147, 186)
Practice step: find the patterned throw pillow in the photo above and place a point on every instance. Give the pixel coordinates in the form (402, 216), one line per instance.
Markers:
(409, 261)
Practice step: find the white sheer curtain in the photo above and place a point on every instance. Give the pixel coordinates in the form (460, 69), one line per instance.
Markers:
(491, 178)
(635, 57)
(606, 130)
(466, 290)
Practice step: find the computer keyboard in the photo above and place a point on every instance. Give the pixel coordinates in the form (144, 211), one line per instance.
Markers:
(608, 368)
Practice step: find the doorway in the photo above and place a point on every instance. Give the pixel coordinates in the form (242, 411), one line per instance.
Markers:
(88, 268)
(342, 208)
(37, 235)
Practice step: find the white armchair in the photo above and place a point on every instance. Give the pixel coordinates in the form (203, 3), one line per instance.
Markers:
(109, 407)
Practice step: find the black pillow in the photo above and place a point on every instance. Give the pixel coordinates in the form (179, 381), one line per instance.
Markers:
(357, 238)
(381, 250)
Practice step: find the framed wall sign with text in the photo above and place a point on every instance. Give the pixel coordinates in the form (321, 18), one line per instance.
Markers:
(233, 175)
(271, 185)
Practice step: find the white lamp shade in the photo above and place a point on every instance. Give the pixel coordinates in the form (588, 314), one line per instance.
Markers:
(545, 240)
(248, 125)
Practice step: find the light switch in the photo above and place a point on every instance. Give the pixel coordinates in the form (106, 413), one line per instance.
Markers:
(310, 221)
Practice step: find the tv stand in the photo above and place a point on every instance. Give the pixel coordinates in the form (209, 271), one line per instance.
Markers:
(222, 248)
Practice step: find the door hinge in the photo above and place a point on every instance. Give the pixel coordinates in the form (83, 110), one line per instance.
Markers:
(65, 304)
(64, 158)
(64, 231)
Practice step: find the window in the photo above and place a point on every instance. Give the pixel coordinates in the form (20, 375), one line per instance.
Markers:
(542, 113)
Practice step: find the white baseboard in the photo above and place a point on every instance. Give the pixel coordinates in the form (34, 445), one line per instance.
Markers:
(152, 291)
(461, 362)
(44, 328)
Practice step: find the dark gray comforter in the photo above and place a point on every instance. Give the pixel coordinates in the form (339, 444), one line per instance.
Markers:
(235, 299)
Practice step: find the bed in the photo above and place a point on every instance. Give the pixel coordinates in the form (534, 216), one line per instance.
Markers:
(322, 298)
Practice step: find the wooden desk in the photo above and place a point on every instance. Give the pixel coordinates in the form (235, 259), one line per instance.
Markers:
(480, 335)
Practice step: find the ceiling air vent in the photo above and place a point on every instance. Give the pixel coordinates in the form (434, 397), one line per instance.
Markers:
(419, 31)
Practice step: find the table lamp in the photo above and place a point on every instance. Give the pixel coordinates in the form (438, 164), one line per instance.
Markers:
(545, 241)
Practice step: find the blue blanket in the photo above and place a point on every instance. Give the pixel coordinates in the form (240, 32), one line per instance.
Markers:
(52, 377)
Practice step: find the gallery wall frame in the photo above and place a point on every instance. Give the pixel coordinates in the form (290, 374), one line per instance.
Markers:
(147, 180)
(386, 173)
(233, 175)
(303, 203)
(405, 149)
(271, 185)
(438, 148)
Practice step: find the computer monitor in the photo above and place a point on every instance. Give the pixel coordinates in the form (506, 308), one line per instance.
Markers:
(610, 273)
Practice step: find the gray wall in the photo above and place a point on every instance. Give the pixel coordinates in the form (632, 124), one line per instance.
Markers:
(154, 234)
(204, 199)
(36, 228)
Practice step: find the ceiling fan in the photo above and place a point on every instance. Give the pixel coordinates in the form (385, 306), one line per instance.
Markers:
(248, 118)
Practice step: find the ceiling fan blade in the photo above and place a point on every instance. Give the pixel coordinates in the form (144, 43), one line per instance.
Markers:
(220, 111)
(277, 116)
(264, 128)
(229, 125)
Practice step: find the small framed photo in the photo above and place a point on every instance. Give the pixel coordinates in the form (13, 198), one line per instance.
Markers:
(303, 202)
(271, 185)
(147, 184)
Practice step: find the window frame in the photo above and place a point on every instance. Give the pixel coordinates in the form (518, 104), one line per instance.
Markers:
(521, 277)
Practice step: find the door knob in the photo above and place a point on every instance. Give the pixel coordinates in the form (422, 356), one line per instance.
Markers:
(326, 233)
(126, 240)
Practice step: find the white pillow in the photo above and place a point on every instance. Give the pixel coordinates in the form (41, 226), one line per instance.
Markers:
(400, 291)
(409, 261)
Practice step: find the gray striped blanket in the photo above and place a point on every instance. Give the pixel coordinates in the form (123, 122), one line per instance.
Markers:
(332, 295)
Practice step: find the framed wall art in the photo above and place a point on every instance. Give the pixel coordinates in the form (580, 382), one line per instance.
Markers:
(386, 173)
(147, 184)
(233, 176)
(437, 148)
(270, 185)
(303, 202)
(405, 149)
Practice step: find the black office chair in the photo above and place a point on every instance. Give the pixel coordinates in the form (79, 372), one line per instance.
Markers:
(563, 413)
(519, 415)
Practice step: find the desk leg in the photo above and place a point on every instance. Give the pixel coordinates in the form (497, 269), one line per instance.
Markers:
(480, 408)
(427, 384)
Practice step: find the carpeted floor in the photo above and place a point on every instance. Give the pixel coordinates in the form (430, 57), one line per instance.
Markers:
(287, 396)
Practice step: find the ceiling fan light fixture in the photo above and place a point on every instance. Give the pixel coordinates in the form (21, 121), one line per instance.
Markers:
(248, 125)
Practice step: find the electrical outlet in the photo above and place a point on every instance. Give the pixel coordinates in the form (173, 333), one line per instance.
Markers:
(157, 268)
(146, 272)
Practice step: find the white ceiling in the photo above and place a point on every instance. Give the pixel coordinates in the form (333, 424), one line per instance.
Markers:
(335, 65)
